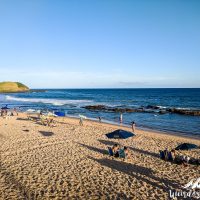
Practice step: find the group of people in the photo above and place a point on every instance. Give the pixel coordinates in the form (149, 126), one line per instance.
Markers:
(118, 152)
(133, 125)
(47, 121)
(6, 112)
(172, 156)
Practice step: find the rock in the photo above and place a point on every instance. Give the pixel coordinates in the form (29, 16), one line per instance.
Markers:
(187, 112)
(152, 107)
(162, 111)
(108, 109)
(147, 109)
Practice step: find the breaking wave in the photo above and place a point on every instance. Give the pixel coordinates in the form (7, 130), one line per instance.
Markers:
(56, 102)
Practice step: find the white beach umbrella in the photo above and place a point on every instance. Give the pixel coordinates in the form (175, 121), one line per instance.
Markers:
(82, 116)
(50, 114)
(30, 111)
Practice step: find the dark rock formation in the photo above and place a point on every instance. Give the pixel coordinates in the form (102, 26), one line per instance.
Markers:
(144, 109)
(108, 109)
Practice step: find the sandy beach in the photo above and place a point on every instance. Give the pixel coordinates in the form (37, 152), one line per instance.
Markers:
(71, 162)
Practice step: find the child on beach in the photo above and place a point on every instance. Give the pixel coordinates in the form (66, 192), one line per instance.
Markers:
(133, 126)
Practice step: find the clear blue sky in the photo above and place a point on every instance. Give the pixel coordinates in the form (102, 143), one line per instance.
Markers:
(100, 43)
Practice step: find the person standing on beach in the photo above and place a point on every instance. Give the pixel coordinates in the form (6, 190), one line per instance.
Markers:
(133, 126)
(81, 121)
(99, 119)
(121, 118)
(15, 111)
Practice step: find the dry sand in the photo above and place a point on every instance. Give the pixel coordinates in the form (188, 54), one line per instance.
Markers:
(70, 162)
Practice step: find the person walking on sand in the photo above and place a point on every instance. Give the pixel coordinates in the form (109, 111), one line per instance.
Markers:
(81, 121)
(99, 119)
(133, 126)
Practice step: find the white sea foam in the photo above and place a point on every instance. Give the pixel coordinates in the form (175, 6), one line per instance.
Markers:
(162, 107)
(56, 102)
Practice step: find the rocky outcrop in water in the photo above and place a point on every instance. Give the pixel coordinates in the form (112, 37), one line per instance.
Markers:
(143, 109)
(37, 90)
(108, 109)
(184, 111)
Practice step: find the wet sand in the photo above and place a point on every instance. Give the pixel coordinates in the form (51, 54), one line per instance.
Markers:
(71, 162)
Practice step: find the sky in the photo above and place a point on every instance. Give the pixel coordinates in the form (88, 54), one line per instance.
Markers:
(100, 43)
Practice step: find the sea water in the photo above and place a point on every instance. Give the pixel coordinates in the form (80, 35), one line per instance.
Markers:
(72, 102)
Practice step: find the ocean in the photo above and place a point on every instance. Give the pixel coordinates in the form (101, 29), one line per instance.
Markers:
(157, 109)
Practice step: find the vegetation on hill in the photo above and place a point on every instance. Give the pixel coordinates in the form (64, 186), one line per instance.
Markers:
(6, 87)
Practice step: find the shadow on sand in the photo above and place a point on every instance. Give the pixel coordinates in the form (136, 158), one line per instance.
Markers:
(10, 179)
(26, 130)
(46, 133)
(102, 151)
(140, 173)
(22, 119)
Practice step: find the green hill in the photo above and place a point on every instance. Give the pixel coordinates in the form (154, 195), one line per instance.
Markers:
(6, 87)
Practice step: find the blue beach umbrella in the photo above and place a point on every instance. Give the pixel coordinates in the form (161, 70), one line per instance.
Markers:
(120, 134)
(60, 113)
(5, 108)
(186, 146)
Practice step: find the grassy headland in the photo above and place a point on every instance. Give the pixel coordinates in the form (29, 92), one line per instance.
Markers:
(9, 87)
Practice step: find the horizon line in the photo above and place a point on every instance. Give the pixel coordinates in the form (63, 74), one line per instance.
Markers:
(115, 88)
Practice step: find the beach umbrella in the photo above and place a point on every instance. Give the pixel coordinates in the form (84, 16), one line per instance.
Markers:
(120, 134)
(186, 146)
(30, 111)
(50, 114)
(59, 113)
(82, 116)
(5, 108)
